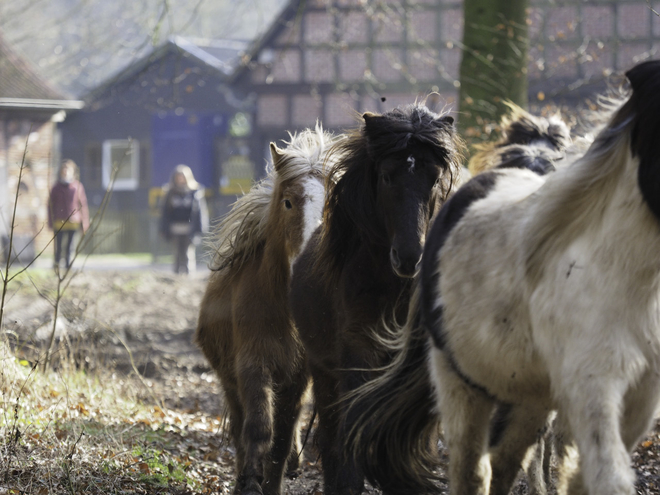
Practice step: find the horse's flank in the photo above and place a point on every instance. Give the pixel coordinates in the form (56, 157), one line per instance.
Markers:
(576, 198)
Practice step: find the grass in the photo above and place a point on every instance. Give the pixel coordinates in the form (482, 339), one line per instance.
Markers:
(71, 431)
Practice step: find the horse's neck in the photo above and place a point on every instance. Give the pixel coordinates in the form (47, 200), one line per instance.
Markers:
(369, 271)
(275, 266)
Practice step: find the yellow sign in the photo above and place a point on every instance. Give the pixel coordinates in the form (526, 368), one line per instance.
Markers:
(237, 175)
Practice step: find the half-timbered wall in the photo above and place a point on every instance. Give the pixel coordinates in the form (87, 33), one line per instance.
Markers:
(342, 56)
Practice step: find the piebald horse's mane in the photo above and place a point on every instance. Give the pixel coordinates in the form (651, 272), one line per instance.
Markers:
(350, 215)
(579, 199)
(524, 134)
(239, 235)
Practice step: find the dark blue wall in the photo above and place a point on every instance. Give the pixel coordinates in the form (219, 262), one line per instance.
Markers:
(188, 139)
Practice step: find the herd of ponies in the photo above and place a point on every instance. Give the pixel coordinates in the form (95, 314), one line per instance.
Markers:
(509, 316)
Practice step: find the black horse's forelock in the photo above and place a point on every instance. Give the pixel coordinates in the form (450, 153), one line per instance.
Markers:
(397, 129)
(351, 215)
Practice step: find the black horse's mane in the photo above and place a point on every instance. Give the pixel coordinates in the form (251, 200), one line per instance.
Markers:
(351, 216)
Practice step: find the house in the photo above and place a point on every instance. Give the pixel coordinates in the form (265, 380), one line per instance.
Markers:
(333, 59)
(217, 105)
(29, 150)
(173, 106)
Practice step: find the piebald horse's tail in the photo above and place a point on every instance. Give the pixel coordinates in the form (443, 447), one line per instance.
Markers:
(394, 439)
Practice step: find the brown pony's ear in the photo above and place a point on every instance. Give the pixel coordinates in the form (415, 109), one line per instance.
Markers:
(277, 155)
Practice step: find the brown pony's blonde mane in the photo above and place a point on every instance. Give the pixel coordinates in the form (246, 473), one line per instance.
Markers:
(240, 234)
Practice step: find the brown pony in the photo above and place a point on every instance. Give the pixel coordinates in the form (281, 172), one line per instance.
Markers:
(394, 173)
(245, 330)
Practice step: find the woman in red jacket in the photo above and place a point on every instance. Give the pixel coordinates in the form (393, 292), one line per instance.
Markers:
(67, 210)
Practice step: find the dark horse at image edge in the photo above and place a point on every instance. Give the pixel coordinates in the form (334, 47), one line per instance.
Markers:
(391, 177)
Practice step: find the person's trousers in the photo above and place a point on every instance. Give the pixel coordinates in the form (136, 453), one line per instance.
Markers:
(184, 257)
(64, 237)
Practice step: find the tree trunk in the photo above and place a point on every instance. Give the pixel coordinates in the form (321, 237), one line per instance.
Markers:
(494, 64)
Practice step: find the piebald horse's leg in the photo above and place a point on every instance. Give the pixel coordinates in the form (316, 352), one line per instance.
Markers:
(519, 428)
(640, 407)
(465, 413)
(593, 408)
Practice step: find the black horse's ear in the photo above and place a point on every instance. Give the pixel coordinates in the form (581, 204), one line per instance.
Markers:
(643, 73)
(371, 119)
(277, 155)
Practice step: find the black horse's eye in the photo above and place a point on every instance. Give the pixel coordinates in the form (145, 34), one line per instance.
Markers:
(385, 178)
(287, 204)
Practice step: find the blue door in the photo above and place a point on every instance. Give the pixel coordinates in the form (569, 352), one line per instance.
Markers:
(184, 139)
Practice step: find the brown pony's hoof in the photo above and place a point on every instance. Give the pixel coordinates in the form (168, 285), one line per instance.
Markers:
(250, 486)
(292, 474)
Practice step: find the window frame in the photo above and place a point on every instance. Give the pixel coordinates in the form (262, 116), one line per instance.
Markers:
(121, 184)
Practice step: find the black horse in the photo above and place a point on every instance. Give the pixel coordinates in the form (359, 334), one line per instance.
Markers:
(393, 174)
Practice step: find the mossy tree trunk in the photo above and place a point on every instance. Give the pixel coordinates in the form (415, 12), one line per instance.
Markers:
(494, 64)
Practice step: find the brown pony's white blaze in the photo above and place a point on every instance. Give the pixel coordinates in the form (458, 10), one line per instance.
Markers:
(301, 206)
(314, 194)
(245, 329)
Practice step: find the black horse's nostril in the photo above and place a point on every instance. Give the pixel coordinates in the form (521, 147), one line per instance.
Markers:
(394, 258)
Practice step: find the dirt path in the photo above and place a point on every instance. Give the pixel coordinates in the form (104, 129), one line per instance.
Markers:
(142, 322)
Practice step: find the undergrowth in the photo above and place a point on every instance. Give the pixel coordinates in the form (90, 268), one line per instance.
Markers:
(71, 431)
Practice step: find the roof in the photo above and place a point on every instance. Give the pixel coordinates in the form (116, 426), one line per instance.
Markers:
(22, 88)
(222, 56)
(288, 14)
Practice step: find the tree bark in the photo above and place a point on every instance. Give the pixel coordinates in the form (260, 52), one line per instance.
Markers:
(494, 63)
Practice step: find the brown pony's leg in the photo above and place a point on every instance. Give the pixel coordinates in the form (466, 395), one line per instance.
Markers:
(256, 389)
(288, 402)
(235, 420)
(293, 462)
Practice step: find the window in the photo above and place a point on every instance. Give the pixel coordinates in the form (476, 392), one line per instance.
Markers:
(122, 155)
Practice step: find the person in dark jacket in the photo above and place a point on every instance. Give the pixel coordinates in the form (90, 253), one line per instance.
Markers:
(184, 217)
(67, 211)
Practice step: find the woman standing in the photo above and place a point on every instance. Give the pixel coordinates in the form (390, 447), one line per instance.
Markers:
(184, 217)
(67, 211)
